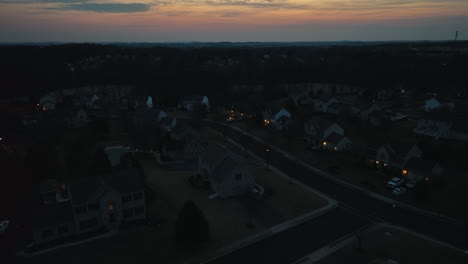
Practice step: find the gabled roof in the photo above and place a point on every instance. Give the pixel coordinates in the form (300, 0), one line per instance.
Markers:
(51, 215)
(321, 123)
(124, 181)
(86, 190)
(192, 99)
(325, 98)
(334, 138)
(420, 165)
(223, 170)
(214, 154)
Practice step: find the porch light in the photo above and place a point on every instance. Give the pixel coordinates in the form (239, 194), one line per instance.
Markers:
(324, 143)
(405, 172)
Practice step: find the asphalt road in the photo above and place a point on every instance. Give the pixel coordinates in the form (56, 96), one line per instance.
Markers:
(454, 234)
(299, 241)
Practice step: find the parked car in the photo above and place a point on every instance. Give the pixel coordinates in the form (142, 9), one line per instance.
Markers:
(3, 226)
(399, 191)
(411, 184)
(395, 182)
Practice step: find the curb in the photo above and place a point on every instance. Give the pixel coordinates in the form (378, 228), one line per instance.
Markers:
(337, 180)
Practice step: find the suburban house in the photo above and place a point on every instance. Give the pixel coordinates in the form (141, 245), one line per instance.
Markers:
(336, 142)
(194, 103)
(136, 102)
(433, 103)
(76, 118)
(300, 97)
(277, 117)
(184, 143)
(88, 205)
(338, 108)
(323, 102)
(419, 169)
(434, 125)
(317, 129)
(396, 155)
(167, 124)
(148, 117)
(226, 175)
(89, 101)
(442, 124)
(364, 108)
(48, 102)
(240, 110)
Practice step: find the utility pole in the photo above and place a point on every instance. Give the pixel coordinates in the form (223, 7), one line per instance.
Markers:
(456, 35)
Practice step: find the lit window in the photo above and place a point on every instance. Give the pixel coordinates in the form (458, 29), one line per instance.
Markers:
(110, 206)
(405, 172)
(324, 143)
(335, 148)
(377, 162)
(385, 164)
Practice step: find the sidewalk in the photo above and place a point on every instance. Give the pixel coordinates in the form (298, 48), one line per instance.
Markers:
(342, 182)
(282, 226)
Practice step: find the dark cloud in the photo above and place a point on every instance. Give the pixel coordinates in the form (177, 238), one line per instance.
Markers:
(105, 8)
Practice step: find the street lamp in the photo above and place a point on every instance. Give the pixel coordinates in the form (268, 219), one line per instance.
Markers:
(267, 150)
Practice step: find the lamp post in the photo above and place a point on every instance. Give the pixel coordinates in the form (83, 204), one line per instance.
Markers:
(267, 150)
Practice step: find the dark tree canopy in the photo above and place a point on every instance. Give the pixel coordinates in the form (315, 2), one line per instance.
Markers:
(192, 228)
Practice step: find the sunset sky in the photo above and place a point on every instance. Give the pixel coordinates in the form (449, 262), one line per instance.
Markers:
(230, 20)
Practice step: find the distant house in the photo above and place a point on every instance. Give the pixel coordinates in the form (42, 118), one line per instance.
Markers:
(76, 118)
(148, 117)
(336, 142)
(136, 102)
(396, 154)
(241, 110)
(434, 125)
(323, 102)
(317, 129)
(193, 103)
(419, 169)
(300, 97)
(93, 204)
(277, 117)
(184, 143)
(226, 175)
(48, 102)
(338, 108)
(433, 103)
(167, 124)
(364, 108)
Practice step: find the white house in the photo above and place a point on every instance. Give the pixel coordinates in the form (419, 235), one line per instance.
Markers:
(226, 175)
(279, 118)
(322, 103)
(432, 104)
(433, 126)
(396, 155)
(318, 129)
(192, 103)
(48, 102)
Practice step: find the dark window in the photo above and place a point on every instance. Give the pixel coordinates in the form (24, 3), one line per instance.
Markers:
(128, 212)
(47, 233)
(93, 206)
(126, 198)
(88, 223)
(238, 176)
(139, 210)
(138, 196)
(81, 209)
(63, 229)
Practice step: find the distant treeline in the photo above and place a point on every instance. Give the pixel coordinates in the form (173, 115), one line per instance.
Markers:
(30, 70)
